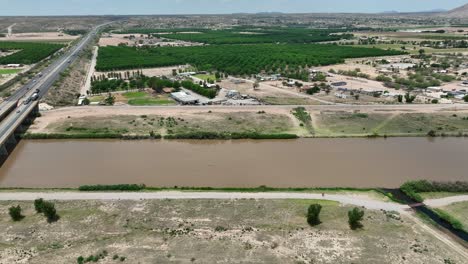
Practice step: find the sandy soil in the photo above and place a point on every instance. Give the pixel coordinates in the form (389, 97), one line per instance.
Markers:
(218, 231)
(116, 39)
(161, 71)
(40, 36)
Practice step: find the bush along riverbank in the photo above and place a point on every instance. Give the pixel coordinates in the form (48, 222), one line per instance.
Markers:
(190, 135)
(413, 189)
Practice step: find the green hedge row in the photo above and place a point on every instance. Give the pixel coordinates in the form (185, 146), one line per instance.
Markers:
(87, 136)
(413, 188)
(117, 187)
(215, 135)
(455, 223)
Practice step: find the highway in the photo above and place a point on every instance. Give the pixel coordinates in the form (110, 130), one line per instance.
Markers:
(40, 84)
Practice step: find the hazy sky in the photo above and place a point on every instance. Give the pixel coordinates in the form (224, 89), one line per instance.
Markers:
(100, 7)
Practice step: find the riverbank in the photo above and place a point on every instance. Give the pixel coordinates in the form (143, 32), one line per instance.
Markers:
(261, 122)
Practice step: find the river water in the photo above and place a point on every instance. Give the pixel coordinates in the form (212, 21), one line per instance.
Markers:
(244, 163)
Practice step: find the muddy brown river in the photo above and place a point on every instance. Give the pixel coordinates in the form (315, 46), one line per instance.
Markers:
(290, 163)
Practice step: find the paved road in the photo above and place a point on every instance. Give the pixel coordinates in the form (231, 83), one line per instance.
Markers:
(42, 83)
(446, 201)
(357, 200)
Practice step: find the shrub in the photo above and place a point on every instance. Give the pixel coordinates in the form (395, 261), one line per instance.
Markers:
(313, 214)
(15, 213)
(50, 212)
(38, 203)
(116, 187)
(355, 217)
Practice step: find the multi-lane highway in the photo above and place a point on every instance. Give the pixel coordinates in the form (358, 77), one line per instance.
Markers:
(24, 100)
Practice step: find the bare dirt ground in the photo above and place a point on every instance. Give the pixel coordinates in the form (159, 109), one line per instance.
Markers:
(215, 231)
(115, 40)
(40, 36)
(151, 72)
(143, 122)
(269, 93)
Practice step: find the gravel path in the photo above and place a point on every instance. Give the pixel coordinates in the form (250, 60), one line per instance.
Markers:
(446, 201)
(350, 199)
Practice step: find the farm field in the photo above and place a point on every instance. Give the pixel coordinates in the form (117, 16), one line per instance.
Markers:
(29, 52)
(185, 231)
(233, 59)
(143, 98)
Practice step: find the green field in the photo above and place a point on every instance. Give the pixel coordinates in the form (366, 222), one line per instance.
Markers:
(206, 77)
(29, 52)
(143, 98)
(9, 71)
(234, 59)
(249, 35)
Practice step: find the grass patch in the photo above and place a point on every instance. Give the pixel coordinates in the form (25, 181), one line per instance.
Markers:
(206, 77)
(150, 101)
(9, 71)
(458, 211)
(454, 222)
(302, 115)
(133, 95)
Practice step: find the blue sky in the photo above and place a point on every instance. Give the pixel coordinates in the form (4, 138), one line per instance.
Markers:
(101, 7)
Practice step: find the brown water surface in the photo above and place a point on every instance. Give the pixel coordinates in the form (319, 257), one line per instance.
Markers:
(290, 163)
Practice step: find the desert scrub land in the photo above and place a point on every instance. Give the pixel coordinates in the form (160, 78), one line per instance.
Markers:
(391, 124)
(213, 231)
(66, 89)
(239, 122)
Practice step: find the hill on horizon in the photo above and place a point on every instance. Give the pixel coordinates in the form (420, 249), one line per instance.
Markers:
(461, 12)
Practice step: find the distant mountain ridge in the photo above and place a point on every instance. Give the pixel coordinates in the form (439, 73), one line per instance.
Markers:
(461, 12)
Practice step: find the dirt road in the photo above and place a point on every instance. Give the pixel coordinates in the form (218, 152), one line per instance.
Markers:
(446, 201)
(351, 199)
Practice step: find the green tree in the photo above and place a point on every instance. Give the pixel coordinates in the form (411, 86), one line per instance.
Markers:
(409, 98)
(15, 213)
(38, 203)
(50, 212)
(355, 217)
(313, 214)
(110, 100)
(400, 98)
(86, 101)
(465, 98)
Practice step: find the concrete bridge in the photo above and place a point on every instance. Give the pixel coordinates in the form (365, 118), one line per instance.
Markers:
(16, 124)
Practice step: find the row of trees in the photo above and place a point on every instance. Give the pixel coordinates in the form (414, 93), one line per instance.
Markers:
(41, 207)
(355, 216)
